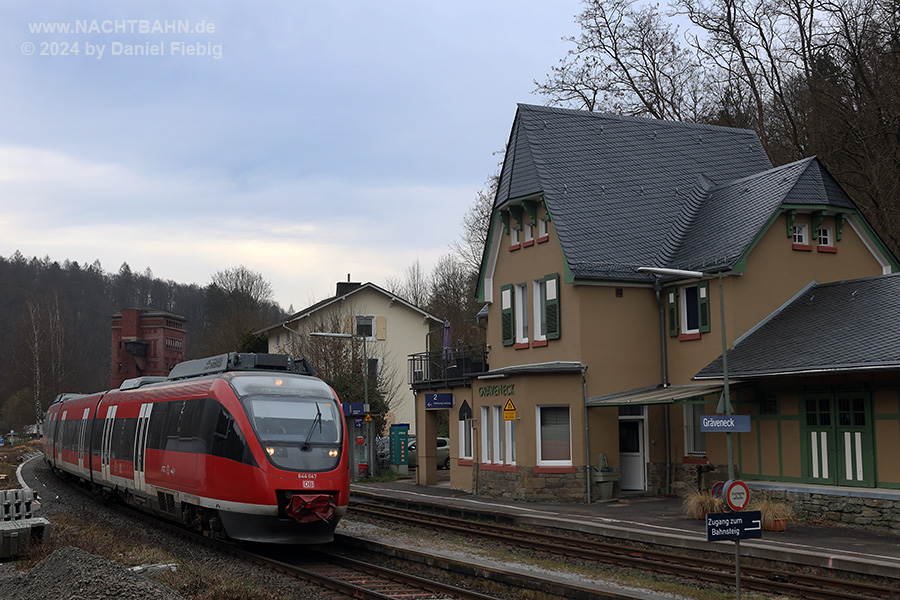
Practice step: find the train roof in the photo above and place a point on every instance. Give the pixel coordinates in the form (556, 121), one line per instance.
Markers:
(240, 361)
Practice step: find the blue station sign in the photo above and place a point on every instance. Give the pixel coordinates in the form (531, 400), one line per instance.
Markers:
(434, 401)
(725, 423)
(722, 527)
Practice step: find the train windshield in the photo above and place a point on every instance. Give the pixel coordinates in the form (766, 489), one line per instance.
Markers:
(297, 420)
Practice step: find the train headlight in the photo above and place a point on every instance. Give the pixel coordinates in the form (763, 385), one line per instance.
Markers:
(270, 450)
(333, 453)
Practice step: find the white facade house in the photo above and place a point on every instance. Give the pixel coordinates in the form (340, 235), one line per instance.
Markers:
(392, 327)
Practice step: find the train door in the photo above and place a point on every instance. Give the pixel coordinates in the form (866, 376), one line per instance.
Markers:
(83, 450)
(140, 447)
(106, 442)
(62, 438)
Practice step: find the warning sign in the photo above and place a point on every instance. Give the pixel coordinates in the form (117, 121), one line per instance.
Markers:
(509, 411)
(368, 418)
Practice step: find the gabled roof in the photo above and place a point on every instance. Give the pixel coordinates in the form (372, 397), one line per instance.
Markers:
(717, 227)
(616, 185)
(626, 192)
(345, 292)
(841, 326)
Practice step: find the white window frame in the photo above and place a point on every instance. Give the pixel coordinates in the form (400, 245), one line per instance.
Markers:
(520, 297)
(510, 446)
(356, 320)
(465, 439)
(486, 456)
(692, 433)
(537, 431)
(540, 310)
(683, 293)
(543, 228)
(514, 237)
(801, 234)
(826, 233)
(496, 434)
(528, 232)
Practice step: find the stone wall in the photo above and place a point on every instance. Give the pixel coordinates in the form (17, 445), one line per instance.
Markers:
(868, 513)
(523, 484)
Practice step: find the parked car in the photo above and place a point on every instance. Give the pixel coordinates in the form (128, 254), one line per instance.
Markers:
(443, 453)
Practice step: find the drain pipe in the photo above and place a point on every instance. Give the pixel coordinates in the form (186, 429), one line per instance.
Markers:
(587, 434)
(657, 287)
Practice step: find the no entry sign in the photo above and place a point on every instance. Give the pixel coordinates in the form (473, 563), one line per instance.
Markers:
(737, 494)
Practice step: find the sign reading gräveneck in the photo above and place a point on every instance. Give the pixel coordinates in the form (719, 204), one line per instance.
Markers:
(508, 389)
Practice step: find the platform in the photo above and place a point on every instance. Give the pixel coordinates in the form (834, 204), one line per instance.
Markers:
(661, 521)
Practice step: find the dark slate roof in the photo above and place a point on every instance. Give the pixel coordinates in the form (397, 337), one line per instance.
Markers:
(841, 326)
(625, 192)
(615, 185)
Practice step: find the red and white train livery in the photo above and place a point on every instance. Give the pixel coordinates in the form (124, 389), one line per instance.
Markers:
(248, 446)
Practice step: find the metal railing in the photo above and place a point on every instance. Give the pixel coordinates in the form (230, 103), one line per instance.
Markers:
(454, 365)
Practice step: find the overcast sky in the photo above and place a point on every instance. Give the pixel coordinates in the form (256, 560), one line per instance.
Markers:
(305, 140)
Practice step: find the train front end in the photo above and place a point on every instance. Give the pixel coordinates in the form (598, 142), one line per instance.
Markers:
(299, 433)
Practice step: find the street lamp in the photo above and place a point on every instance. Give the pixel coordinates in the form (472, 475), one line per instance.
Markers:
(345, 336)
(726, 392)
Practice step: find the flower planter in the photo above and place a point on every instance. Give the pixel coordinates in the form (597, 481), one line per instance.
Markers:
(776, 525)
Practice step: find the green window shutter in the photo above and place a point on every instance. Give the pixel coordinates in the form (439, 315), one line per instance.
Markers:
(551, 306)
(703, 306)
(507, 323)
(672, 311)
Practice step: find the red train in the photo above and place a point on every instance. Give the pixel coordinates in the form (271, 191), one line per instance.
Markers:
(244, 446)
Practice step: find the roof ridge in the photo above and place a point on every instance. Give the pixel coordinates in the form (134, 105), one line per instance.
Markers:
(650, 121)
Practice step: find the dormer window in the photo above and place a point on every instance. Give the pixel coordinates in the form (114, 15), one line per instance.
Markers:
(826, 240)
(801, 234)
(543, 226)
(514, 239)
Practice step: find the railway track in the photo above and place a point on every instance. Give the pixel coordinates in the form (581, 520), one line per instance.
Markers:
(701, 569)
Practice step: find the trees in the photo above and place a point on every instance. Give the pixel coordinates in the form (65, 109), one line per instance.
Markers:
(810, 76)
(237, 302)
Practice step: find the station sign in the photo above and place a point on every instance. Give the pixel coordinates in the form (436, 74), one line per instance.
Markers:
(729, 423)
(722, 527)
(435, 401)
(354, 409)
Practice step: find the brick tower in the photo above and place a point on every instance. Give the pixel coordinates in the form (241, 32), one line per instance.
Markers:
(145, 342)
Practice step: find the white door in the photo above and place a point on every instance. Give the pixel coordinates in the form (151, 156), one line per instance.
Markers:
(140, 446)
(106, 442)
(632, 455)
(82, 446)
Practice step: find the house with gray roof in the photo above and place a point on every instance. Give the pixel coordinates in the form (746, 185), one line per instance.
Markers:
(614, 244)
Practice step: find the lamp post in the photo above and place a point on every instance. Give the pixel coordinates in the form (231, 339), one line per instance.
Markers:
(726, 393)
(365, 396)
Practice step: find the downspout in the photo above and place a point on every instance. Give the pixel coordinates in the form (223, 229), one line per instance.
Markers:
(587, 435)
(657, 287)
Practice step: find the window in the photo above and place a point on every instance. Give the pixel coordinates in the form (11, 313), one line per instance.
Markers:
(497, 434)
(465, 436)
(514, 237)
(521, 319)
(694, 439)
(540, 310)
(801, 234)
(826, 240)
(554, 446)
(768, 403)
(529, 233)
(365, 326)
(689, 317)
(486, 434)
(543, 230)
(507, 321)
(510, 457)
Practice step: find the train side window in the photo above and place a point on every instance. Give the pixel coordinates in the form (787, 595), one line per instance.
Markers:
(173, 419)
(227, 440)
(156, 433)
(96, 436)
(189, 432)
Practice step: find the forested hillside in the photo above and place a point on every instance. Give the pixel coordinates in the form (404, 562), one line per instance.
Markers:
(55, 323)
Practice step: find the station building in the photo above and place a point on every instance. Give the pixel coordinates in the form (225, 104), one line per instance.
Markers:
(598, 357)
